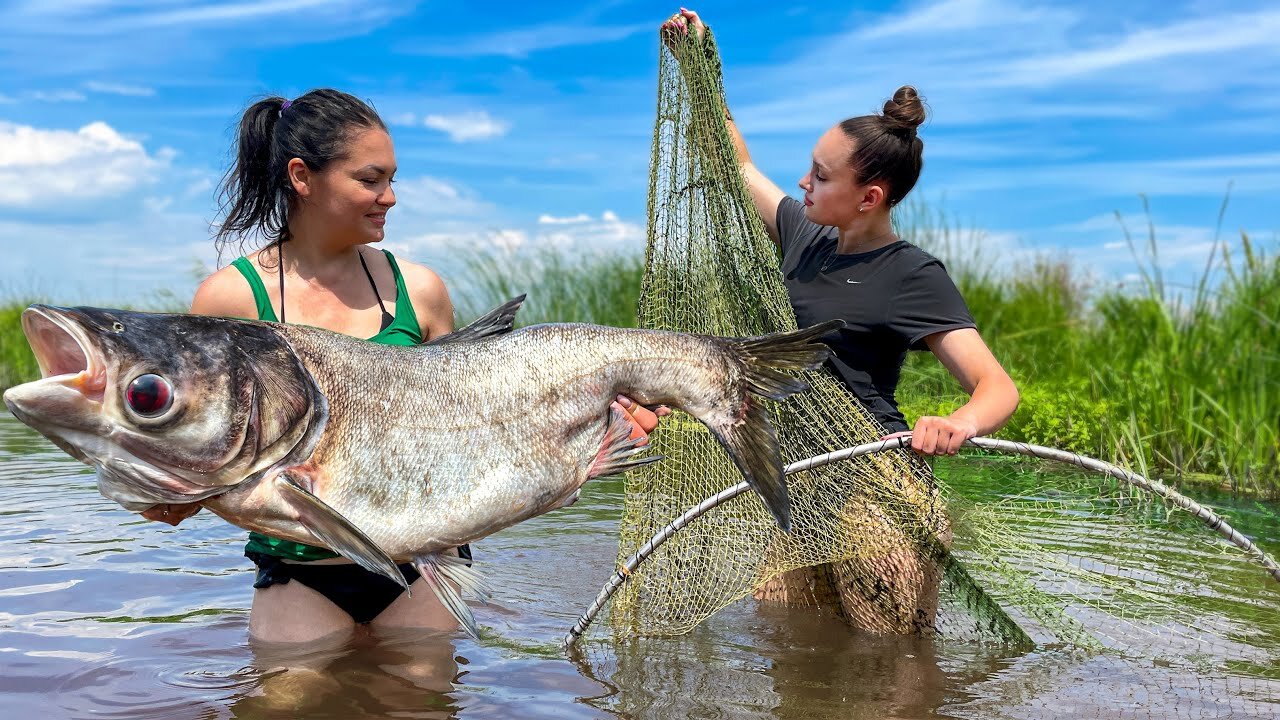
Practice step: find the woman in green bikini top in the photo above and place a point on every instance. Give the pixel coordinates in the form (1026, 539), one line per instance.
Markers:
(313, 178)
(399, 329)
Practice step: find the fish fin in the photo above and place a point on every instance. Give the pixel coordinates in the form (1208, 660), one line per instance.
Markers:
(336, 531)
(753, 445)
(618, 450)
(748, 435)
(442, 572)
(497, 321)
(573, 498)
(764, 356)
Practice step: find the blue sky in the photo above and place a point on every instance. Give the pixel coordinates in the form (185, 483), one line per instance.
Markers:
(529, 123)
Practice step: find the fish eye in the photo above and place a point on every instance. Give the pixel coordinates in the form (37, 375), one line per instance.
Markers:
(149, 395)
(117, 326)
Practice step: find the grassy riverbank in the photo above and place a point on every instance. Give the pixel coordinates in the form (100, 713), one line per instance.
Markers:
(17, 364)
(1180, 381)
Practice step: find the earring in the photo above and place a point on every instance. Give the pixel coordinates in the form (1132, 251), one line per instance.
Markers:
(861, 209)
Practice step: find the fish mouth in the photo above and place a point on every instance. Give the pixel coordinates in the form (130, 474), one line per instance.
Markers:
(64, 351)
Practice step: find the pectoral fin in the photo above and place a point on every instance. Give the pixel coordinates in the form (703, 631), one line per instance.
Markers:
(336, 531)
(618, 451)
(442, 573)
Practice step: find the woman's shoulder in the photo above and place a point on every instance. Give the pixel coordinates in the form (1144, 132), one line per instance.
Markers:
(429, 296)
(225, 293)
(420, 280)
(913, 257)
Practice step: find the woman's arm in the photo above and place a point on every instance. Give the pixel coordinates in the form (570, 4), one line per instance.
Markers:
(993, 396)
(765, 194)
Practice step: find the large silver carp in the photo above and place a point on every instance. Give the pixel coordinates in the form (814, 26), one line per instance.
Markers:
(387, 454)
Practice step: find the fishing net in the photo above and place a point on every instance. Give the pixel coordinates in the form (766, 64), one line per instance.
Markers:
(711, 268)
(1070, 564)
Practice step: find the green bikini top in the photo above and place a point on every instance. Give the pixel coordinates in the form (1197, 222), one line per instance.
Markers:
(402, 330)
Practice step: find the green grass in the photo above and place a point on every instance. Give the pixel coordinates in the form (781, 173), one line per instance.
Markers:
(1183, 381)
(1176, 381)
(594, 288)
(17, 364)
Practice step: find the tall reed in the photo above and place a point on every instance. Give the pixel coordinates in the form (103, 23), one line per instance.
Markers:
(1183, 379)
(1180, 378)
(17, 364)
(593, 287)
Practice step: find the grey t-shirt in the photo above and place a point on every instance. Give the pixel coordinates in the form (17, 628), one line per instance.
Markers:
(890, 300)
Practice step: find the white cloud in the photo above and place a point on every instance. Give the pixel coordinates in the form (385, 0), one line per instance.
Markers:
(108, 262)
(42, 166)
(950, 16)
(468, 126)
(510, 240)
(119, 89)
(441, 217)
(199, 187)
(525, 41)
(91, 38)
(582, 231)
(58, 96)
(230, 12)
(104, 20)
(1201, 36)
(553, 220)
(995, 63)
(427, 201)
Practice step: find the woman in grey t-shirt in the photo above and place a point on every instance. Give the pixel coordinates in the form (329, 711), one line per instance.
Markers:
(841, 259)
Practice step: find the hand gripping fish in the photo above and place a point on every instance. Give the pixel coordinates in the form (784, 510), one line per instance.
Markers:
(388, 454)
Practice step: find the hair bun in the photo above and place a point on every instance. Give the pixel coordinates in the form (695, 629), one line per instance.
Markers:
(905, 111)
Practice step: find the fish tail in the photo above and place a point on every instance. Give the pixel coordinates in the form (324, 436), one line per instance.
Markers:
(764, 357)
(746, 433)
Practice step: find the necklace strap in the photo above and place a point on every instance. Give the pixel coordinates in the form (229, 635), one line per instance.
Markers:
(280, 270)
(387, 319)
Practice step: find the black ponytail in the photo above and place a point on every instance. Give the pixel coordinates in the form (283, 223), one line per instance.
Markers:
(256, 194)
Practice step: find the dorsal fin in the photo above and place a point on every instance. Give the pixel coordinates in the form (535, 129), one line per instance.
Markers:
(497, 321)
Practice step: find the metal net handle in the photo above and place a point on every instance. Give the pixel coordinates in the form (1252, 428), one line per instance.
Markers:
(1210, 519)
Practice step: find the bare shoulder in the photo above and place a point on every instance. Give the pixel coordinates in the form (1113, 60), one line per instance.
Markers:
(430, 298)
(225, 293)
(419, 278)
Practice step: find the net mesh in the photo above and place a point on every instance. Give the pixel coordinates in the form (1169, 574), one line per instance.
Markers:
(711, 268)
(1066, 565)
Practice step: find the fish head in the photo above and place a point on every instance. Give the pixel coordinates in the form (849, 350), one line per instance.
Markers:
(168, 408)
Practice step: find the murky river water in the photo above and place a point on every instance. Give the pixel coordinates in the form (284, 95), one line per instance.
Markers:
(103, 614)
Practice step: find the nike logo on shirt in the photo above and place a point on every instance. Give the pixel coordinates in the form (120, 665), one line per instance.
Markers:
(854, 282)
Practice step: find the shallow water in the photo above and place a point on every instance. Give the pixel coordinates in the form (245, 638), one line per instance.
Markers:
(103, 614)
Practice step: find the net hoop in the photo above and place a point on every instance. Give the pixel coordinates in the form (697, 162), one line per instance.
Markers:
(1206, 516)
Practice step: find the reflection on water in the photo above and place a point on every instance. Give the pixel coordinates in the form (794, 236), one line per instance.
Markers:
(105, 615)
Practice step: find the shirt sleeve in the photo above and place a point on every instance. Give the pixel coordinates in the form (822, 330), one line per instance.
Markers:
(794, 229)
(928, 302)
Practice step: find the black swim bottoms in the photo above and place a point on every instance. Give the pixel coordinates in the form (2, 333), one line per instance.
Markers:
(361, 594)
